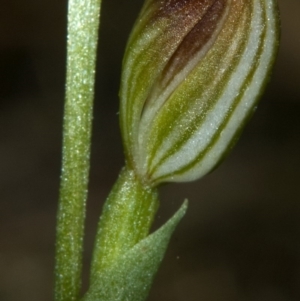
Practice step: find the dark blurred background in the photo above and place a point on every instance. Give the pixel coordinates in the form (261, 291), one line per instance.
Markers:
(240, 239)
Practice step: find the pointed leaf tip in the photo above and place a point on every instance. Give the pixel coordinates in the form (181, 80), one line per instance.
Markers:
(130, 278)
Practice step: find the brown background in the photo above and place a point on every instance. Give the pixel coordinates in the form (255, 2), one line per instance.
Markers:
(240, 239)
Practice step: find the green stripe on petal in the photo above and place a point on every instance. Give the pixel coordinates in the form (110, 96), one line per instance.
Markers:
(193, 72)
(153, 41)
(160, 29)
(199, 99)
(253, 70)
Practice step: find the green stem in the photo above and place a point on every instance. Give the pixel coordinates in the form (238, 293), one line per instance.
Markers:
(126, 219)
(83, 23)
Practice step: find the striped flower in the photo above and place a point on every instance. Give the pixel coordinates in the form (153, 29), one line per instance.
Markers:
(192, 74)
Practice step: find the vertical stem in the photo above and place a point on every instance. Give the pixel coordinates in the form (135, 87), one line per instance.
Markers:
(83, 23)
(127, 216)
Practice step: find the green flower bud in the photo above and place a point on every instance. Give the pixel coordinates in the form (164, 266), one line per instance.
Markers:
(192, 73)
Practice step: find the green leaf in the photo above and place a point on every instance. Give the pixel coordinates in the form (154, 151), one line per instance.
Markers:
(131, 276)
